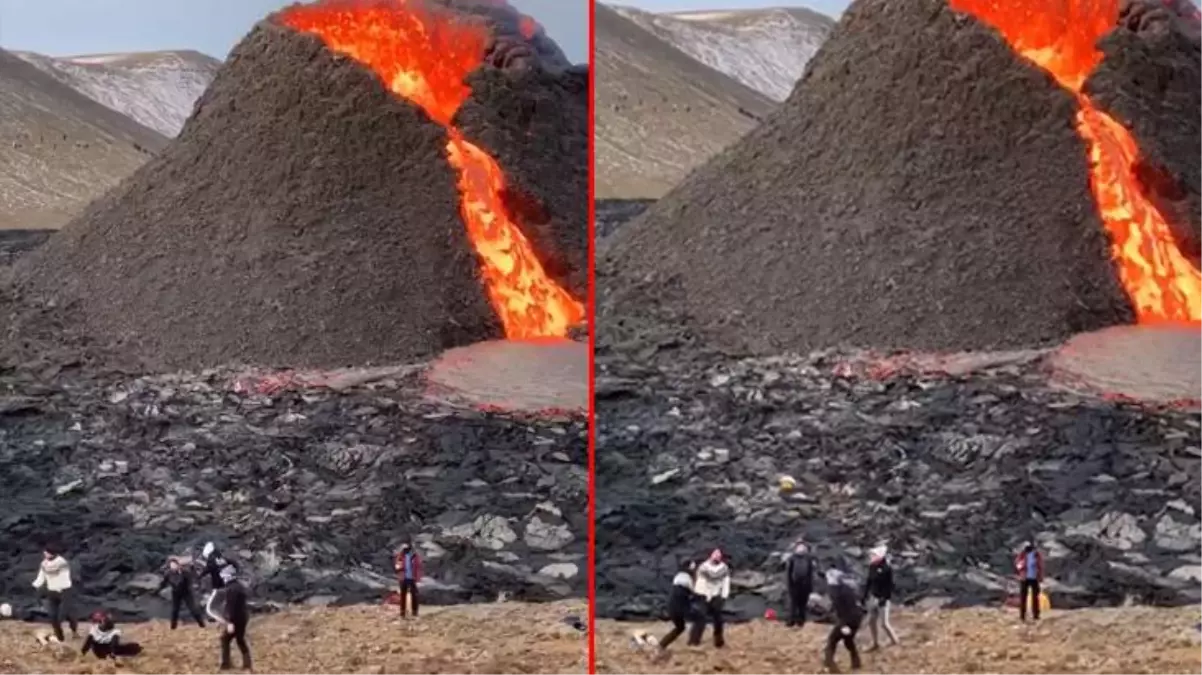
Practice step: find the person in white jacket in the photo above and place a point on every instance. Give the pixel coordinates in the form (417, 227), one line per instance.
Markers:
(54, 574)
(712, 585)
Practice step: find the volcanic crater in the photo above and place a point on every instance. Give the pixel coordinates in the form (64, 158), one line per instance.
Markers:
(361, 183)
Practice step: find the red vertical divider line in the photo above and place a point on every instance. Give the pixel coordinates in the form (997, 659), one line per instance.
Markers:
(592, 342)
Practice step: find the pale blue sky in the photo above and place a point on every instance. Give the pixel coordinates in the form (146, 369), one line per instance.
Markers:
(831, 8)
(67, 27)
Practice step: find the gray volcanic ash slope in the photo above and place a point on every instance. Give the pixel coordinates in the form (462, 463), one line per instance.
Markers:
(929, 194)
(308, 216)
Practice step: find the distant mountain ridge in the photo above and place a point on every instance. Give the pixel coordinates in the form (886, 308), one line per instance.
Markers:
(765, 49)
(156, 89)
(59, 149)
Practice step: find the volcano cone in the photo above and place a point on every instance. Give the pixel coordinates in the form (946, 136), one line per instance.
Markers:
(308, 215)
(923, 187)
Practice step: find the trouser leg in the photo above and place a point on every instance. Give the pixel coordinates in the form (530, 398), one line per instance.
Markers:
(698, 629)
(832, 641)
(885, 606)
(54, 608)
(1035, 598)
(240, 638)
(849, 641)
(194, 609)
(177, 601)
(715, 611)
(412, 587)
(874, 618)
(677, 629)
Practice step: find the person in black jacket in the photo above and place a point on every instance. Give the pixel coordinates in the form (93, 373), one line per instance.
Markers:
(235, 619)
(846, 604)
(680, 602)
(104, 639)
(179, 578)
(878, 593)
(799, 579)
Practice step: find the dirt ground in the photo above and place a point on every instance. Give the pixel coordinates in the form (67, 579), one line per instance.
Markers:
(1126, 640)
(496, 638)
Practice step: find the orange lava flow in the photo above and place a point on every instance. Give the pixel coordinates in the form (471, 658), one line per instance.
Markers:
(424, 55)
(1060, 36)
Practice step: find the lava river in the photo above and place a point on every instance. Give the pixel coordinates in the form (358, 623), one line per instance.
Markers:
(1060, 37)
(424, 55)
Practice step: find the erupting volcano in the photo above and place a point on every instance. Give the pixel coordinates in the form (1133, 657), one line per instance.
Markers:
(938, 181)
(1061, 38)
(319, 211)
(426, 56)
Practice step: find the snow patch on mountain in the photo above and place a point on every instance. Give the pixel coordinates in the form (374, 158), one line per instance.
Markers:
(765, 49)
(157, 89)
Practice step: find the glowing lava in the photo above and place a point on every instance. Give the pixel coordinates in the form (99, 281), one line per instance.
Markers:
(1060, 37)
(424, 55)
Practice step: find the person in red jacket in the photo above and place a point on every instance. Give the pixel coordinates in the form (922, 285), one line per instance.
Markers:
(408, 573)
(1029, 567)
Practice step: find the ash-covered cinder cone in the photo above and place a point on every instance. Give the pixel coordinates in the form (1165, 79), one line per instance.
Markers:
(923, 187)
(307, 215)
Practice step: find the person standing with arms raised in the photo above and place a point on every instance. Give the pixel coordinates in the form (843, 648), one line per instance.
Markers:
(713, 586)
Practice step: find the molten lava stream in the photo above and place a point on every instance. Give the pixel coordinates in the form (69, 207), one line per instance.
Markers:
(1060, 36)
(424, 56)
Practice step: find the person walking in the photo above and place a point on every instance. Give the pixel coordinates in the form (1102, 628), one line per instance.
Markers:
(104, 639)
(1029, 567)
(878, 594)
(179, 578)
(54, 574)
(234, 621)
(799, 579)
(712, 585)
(848, 615)
(680, 602)
(408, 566)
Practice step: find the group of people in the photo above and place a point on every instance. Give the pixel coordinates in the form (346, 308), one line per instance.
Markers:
(227, 604)
(104, 638)
(699, 592)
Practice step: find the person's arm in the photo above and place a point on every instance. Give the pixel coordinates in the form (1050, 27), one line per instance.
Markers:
(41, 580)
(726, 587)
(867, 585)
(209, 608)
(888, 583)
(417, 568)
(88, 643)
(114, 647)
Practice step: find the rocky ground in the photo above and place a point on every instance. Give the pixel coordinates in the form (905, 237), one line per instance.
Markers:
(311, 487)
(494, 638)
(952, 469)
(1128, 640)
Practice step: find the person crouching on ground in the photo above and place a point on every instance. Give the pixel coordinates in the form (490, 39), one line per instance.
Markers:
(234, 620)
(179, 578)
(1029, 567)
(680, 602)
(54, 574)
(104, 639)
(713, 586)
(799, 579)
(878, 594)
(846, 604)
(408, 566)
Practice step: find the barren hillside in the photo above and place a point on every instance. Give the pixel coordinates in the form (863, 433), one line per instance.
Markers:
(659, 111)
(765, 49)
(59, 149)
(156, 89)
